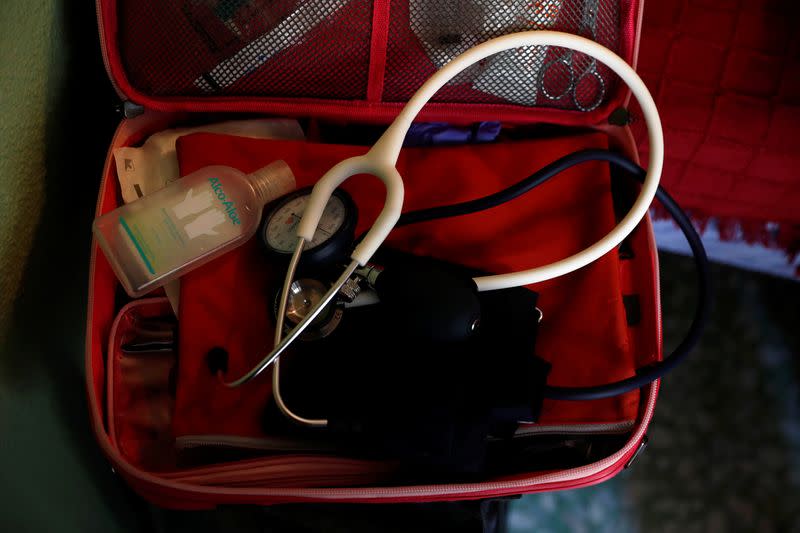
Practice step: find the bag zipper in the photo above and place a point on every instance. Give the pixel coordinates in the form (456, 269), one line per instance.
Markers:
(104, 49)
(248, 471)
(609, 428)
(563, 479)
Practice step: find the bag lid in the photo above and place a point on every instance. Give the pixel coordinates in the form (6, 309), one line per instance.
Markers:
(364, 58)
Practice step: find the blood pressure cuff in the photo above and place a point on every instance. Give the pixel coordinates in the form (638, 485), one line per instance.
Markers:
(432, 403)
(584, 333)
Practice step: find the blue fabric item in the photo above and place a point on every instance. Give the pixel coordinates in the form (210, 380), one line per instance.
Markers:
(431, 133)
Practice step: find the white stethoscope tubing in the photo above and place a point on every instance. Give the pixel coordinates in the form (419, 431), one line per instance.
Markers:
(381, 159)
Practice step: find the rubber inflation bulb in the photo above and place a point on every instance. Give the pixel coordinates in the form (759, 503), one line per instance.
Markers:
(427, 301)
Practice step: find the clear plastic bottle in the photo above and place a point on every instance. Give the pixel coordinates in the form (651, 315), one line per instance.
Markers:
(153, 240)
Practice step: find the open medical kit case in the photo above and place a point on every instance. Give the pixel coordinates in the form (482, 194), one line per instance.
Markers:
(348, 66)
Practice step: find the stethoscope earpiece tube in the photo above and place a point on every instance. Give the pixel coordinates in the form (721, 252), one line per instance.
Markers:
(387, 149)
(380, 161)
(312, 214)
(386, 220)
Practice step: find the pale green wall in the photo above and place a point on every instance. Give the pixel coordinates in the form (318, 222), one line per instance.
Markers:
(56, 120)
(29, 68)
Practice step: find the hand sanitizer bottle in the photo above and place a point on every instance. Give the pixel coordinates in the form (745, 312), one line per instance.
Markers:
(157, 238)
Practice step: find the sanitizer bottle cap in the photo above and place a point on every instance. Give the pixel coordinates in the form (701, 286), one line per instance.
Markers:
(272, 181)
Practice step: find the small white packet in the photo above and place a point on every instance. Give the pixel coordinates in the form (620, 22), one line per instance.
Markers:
(152, 166)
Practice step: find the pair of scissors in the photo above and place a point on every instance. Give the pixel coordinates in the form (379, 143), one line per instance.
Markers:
(565, 63)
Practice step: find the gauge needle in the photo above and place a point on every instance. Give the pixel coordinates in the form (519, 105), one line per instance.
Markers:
(295, 215)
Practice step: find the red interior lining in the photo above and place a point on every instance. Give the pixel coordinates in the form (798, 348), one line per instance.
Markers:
(584, 332)
(139, 397)
(643, 272)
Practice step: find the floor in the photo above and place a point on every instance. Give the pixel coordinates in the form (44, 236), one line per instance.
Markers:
(725, 443)
(724, 451)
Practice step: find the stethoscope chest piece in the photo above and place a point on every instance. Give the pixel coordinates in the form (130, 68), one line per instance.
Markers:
(304, 295)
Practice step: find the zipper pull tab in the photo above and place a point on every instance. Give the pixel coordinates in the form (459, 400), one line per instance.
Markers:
(638, 452)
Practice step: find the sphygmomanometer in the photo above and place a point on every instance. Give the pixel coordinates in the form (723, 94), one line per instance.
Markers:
(315, 228)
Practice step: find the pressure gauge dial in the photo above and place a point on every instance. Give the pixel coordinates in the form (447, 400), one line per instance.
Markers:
(334, 236)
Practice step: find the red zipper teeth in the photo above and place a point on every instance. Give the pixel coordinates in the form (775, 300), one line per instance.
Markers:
(104, 48)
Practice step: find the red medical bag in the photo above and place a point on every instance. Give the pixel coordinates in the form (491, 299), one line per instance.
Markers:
(352, 64)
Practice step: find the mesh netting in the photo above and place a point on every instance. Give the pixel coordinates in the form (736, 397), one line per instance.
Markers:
(317, 48)
(439, 31)
(321, 49)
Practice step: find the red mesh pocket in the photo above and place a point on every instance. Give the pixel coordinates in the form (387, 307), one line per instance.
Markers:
(426, 35)
(306, 48)
(379, 51)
